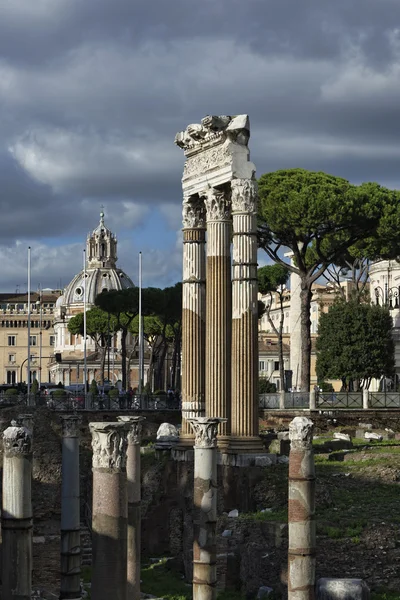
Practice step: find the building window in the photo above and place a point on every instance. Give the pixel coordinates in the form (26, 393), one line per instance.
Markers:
(261, 365)
(12, 340)
(11, 377)
(33, 340)
(11, 358)
(52, 340)
(276, 365)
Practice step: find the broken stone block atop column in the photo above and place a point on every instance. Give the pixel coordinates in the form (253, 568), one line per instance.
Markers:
(167, 436)
(341, 436)
(342, 589)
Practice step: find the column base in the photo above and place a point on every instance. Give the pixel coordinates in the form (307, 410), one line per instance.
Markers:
(245, 445)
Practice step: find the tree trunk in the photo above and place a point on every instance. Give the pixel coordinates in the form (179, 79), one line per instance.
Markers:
(124, 333)
(175, 360)
(280, 347)
(128, 370)
(305, 299)
(103, 351)
(159, 370)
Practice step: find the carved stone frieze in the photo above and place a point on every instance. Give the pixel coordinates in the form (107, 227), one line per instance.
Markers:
(205, 430)
(109, 444)
(300, 433)
(207, 160)
(70, 425)
(17, 441)
(135, 428)
(244, 195)
(193, 213)
(218, 205)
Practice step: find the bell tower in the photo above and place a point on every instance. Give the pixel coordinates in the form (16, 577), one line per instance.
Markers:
(101, 247)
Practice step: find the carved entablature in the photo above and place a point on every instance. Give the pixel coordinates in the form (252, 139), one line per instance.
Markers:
(218, 205)
(216, 152)
(205, 431)
(135, 428)
(17, 441)
(301, 433)
(109, 444)
(244, 195)
(193, 213)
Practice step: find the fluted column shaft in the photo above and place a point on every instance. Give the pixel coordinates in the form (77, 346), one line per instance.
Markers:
(16, 518)
(301, 514)
(70, 585)
(193, 314)
(244, 317)
(219, 310)
(110, 510)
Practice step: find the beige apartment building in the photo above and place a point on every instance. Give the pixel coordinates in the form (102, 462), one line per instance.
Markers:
(14, 336)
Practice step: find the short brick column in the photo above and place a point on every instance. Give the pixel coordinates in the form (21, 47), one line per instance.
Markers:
(134, 497)
(16, 518)
(205, 508)
(110, 510)
(301, 518)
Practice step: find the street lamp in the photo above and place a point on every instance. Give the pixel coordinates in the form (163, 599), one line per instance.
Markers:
(39, 306)
(388, 296)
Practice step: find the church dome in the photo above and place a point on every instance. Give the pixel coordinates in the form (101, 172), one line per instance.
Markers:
(101, 272)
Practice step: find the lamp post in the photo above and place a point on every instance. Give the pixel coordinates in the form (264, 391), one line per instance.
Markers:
(388, 296)
(39, 306)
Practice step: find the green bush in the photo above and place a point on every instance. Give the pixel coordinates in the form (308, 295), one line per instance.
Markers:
(265, 386)
(114, 393)
(159, 393)
(35, 387)
(93, 387)
(59, 394)
(326, 387)
(11, 392)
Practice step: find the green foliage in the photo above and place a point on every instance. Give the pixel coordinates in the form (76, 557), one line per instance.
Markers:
(355, 342)
(161, 582)
(11, 392)
(159, 393)
(98, 324)
(35, 387)
(59, 394)
(272, 277)
(93, 387)
(114, 393)
(265, 386)
(325, 386)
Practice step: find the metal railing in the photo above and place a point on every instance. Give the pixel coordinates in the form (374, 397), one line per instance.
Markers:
(384, 400)
(297, 400)
(76, 402)
(330, 400)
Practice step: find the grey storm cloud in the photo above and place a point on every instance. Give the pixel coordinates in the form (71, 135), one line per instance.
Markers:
(92, 94)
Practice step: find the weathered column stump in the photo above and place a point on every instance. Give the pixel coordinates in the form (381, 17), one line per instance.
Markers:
(134, 497)
(342, 589)
(301, 518)
(70, 587)
(16, 518)
(205, 508)
(110, 510)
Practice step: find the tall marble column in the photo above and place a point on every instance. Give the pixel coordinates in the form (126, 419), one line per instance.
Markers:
(70, 585)
(193, 314)
(16, 518)
(301, 517)
(244, 318)
(219, 310)
(110, 508)
(134, 497)
(205, 508)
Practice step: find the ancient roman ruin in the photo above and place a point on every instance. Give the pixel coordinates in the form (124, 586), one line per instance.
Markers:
(220, 396)
(220, 311)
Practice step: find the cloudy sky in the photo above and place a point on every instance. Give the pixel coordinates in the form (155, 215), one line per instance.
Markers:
(92, 93)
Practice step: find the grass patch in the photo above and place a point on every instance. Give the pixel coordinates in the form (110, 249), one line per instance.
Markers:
(385, 596)
(161, 582)
(271, 515)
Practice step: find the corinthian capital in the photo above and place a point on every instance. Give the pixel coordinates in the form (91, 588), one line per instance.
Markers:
(218, 205)
(17, 441)
(193, 213)
(205, 431)
(70, 425)
(244, 195)
(135, 428)
(300, 433)
(109, 444)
